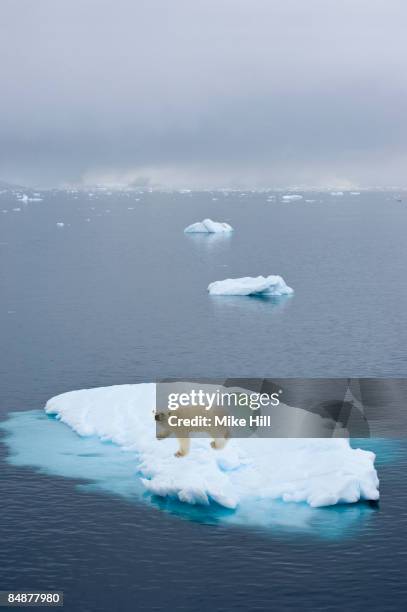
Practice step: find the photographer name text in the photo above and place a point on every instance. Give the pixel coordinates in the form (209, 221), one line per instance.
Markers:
(219, 421)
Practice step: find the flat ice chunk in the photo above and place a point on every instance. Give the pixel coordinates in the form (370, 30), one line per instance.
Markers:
(260, 285)
(320, 472)
(209, 227)
(355, 193)
(60, 224)
(337, 193)
(289, 198)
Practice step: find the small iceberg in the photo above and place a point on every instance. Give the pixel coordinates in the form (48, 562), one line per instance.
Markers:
(319, 472)
(60, 224)
(292, 198)
(208, 226)
(337, 193)
(260, 285)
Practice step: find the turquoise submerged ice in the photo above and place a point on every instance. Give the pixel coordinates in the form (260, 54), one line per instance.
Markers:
(272, 285)
(39, 441)
(319, 472)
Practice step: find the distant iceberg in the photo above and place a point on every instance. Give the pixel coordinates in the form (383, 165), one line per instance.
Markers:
(208, 226)
(320, 472)
(24, 198)
(259, 285)
(289, 198)
(337, 193)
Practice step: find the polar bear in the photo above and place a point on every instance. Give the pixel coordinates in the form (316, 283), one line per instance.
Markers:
(192, 419)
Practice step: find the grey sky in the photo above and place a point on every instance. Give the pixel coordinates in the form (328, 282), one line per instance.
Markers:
(204, 92)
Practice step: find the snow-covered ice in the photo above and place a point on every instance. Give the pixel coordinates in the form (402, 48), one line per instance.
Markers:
(60, 224)
(260, 285)
(320, 472)
(337, 193)
(291, 198)
(209, 227)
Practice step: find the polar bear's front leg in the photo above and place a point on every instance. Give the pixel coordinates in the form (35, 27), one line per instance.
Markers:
(161, 435)
(184, 444)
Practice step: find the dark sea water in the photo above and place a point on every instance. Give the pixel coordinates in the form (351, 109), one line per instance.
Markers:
(122, 298)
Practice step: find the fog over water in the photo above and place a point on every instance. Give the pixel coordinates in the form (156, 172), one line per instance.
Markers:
(204, 94)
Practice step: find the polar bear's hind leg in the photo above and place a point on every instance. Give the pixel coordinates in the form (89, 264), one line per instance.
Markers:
(219, 443)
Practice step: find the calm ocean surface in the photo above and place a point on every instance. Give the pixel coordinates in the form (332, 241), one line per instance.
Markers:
(122, 298)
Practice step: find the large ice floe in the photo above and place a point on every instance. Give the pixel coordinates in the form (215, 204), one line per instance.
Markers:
(320, 472)
(207, 226)
(273, 285)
